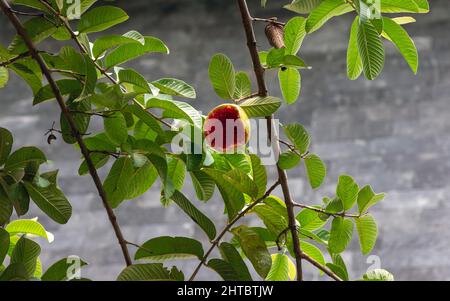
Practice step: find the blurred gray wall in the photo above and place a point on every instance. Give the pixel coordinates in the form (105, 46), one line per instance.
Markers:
(392, 133)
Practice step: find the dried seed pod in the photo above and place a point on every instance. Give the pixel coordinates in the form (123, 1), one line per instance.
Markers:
(275, 34)
(50, 138)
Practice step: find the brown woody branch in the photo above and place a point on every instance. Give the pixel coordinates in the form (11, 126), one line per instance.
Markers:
(75, 132)
(259, 73)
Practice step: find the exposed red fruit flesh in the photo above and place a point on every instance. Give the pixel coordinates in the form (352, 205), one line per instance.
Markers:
(227, 127)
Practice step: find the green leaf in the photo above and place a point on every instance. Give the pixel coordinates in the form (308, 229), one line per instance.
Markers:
(294, 33)
(6, 207)
(176, 172)
(38, 29)
(274, 218)
(23, 156)
(340, 235)
(99, 161)
(260, 106)
(378, 275)
(28, 226)
(127, 52)
(26, 252)
(117, 183)
(101, 18)
(104, 43)
(6, 142)
(288, 160)
(310, 220)
(222, 76)
(354, 62)
(232, 196)
(178, 109)
(204, 185)
(293, 61)
(146, 118)
(397, 35)
(258, 174)
(371, 50)
(303, 6)
(29, 71)
(36, 4)
(338, 271)
(275, 57)
(4, 77)
(367, 198)
(232, 256)
(50, 200)
(254, 248)
(326, 10)
(116, 128)
(399, 6)
(290, 84)
(347, 190)
(315, 170)
(58, 270)
(169, 248)
(280, 268)
(313, 252)
(14, 272)
(198, 217)
(424, 6)
(176, 87)
(338, 262)
(132, 77)
(242, 182)
(223, 268)
(146, 272)
(243, 86)
(368, 232)
(4, 245)
(66, 87)
(144, 176)
(299, 136)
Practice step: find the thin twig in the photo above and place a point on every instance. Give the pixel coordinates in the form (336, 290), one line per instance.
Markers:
(321, 267)
(292, 149)
(262, 89)
(318, 210)
(268, 20)
(75, 132)
(215, 243)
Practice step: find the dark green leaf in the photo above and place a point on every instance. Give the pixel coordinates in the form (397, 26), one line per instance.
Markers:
(254, 248)
(169, 248)
(198, 217)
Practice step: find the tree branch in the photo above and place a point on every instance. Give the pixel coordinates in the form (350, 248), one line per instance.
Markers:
(99, 68)
(75, 132)
(283, 179)
(215, 243)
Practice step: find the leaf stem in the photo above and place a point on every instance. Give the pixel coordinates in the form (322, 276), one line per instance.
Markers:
(318, 210)
(4, 6)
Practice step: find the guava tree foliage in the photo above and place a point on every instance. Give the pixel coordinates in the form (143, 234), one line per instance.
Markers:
(88, 78)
